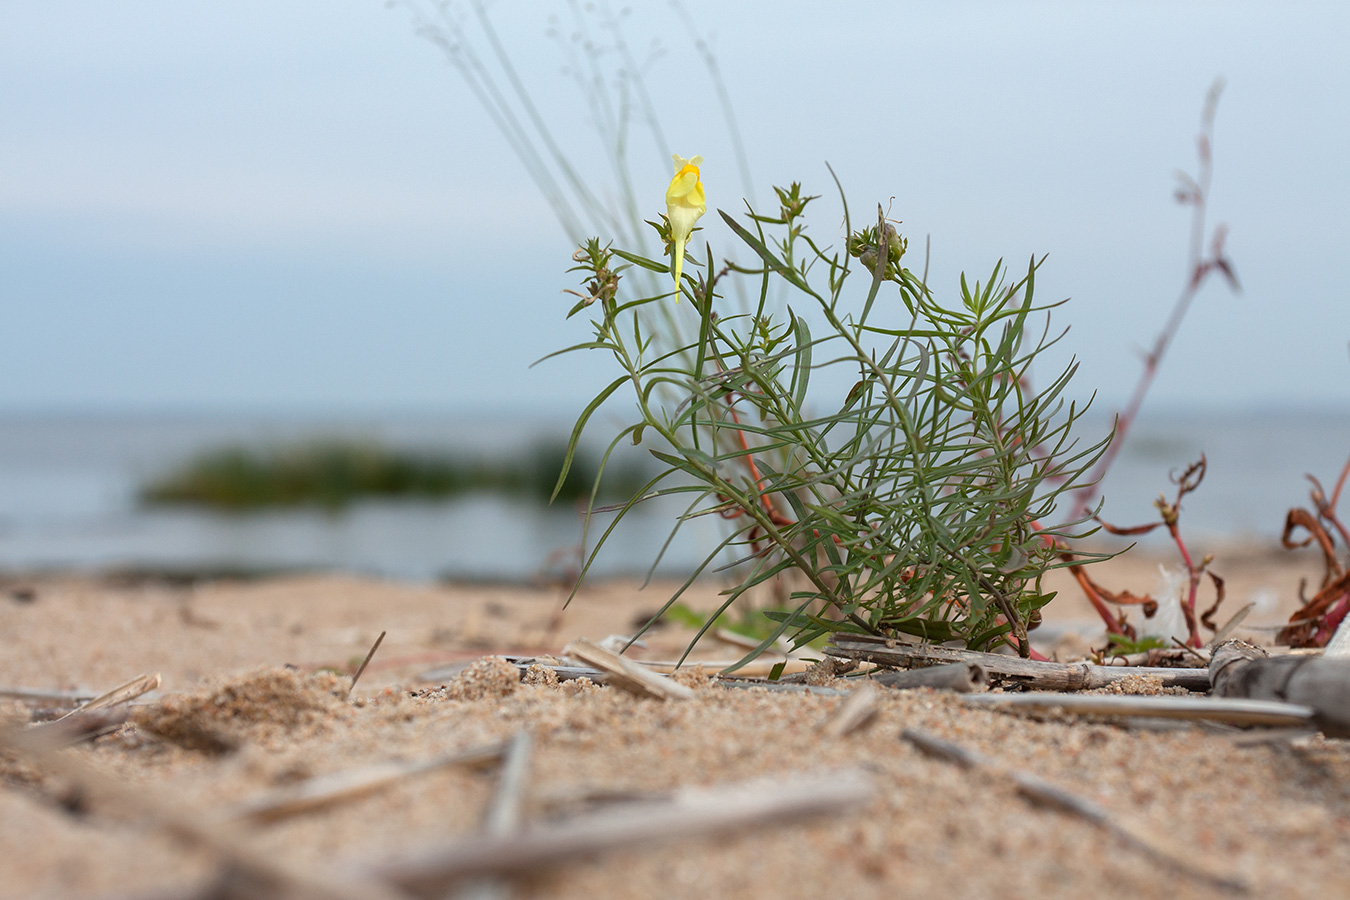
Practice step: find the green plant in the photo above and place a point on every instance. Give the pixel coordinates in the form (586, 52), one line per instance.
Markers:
(1124, 645)
(920, 499)
(333, 474)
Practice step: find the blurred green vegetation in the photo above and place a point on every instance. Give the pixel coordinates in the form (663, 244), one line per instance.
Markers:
(333, 474)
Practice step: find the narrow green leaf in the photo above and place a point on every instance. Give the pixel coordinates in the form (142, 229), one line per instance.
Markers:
(579, 427)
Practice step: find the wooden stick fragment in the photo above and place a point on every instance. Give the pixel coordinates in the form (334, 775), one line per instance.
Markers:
(1240, 669)
(1009, 670)
(41, 695)
(249, 871)
(504, 815)
(626, 674)
(691, 812)
(963, 678)
(339, 787)
(731, 681)
(508, 803)
(1339, 645)
(759, 667)
(1231, 625)
(1205, 709)
(1047, 794)
(857, 711)
(123, 693)
(80, 726)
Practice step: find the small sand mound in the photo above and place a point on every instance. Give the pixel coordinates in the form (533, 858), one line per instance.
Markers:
(1148, 685)
(491, 676)
(220, 718)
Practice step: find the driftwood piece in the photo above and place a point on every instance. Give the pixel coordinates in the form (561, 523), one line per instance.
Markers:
(626, 674)
(1008, 670)
(961, 677)
(1052, 796)
(690, 813)
(328, 790)
(1266, 713)
(1240, 669)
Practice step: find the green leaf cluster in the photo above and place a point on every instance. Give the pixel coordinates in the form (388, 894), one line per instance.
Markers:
(919, 499)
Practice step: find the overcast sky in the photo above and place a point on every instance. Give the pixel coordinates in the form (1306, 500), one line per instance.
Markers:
(299, 206)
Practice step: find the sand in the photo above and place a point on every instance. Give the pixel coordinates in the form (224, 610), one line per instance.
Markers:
(254, 677)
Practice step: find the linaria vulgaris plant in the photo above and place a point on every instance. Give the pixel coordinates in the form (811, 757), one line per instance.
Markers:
(917, 495)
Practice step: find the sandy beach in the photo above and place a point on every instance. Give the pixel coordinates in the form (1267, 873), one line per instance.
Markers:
(254, 673)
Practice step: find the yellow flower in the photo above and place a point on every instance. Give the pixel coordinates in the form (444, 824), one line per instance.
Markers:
(685, 203)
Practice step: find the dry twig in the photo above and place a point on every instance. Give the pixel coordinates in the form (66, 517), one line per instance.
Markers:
(249, 870)
(1006, 669)
(123, 693)
(691, 812)
(963, 678)
(504, 815)
(857, 711)
(1195, 709)
(339, 787)
(1052, 796)
(365, 662)
(626, 674)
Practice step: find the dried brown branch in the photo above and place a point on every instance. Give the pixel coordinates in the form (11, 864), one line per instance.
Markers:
(1312, 624)
(1301, 518)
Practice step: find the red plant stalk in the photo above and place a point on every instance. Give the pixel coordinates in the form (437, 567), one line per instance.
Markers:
(1332, 621)
(1113, 625)
(1328, 510)
(1193, 573)
(1196, 194)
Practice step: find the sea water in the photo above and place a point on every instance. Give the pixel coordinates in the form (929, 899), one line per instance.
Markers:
(69, 496)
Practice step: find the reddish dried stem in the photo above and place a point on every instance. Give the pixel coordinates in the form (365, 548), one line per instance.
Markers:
(1200, 268)
(1332, 621)
(1330, 513)
(1194, 574)
(754, 469)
